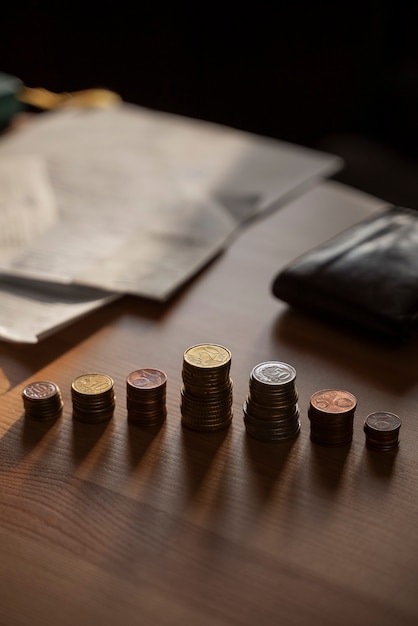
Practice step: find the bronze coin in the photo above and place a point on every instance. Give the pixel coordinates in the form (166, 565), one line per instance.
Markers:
(333, 401)
(40, 390)
(147, 378)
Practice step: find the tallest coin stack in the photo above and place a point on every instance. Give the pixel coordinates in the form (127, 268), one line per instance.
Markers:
(206, 395)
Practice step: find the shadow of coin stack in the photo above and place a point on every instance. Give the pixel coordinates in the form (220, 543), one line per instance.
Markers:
(42, 401)
(206, 394)
(93, 398)
(146, 397)
(271, 411)
(331, 413)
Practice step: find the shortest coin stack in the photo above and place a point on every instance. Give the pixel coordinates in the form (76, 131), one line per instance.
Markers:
(146, 397)
(42, 401)
(93, 398)
(382, 430)
(331, 413)
(271, 411)
(206, 395)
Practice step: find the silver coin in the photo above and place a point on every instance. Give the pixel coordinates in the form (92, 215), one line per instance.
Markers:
(383, 421)
(273, 373)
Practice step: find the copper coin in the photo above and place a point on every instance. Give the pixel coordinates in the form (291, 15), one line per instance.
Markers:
(147, 378)
(40, 390)
(333, 401)
(42, 400)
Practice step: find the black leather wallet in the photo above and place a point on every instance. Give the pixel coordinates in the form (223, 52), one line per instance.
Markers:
(365, 277)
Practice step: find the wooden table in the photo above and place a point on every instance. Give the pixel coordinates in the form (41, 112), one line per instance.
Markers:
(111, 524)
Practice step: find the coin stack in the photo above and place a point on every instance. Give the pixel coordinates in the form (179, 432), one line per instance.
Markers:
(42, 401)
(146, 397)
(271, 411)
(206, 394)
(93, 398)
(382, 430)
(331, 413)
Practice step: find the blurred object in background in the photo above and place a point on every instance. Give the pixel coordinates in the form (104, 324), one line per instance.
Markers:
(10, 105)
(17, 100)
(86, 98)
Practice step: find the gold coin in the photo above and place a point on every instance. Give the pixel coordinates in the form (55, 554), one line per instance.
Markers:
(207, 355)
(92, 384)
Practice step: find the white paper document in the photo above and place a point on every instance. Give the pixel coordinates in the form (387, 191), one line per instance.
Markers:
(134, 201)
(31, 311)
(27, 202)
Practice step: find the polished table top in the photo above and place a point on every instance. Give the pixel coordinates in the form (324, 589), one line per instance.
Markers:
(114, 524)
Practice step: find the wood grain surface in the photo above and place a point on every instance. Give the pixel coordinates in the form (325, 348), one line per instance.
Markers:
(114, 524)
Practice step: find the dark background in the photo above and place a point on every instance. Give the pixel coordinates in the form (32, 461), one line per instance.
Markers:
(338, 76)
